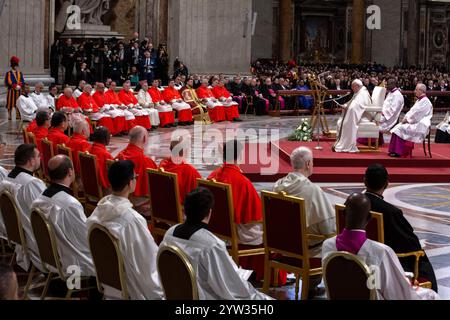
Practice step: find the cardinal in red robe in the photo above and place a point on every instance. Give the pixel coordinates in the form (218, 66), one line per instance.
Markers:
(216, 110)
(172, 96)
(135, 153)
(101, 139)
(186, 173)
(67, 101)
(165, 111)
(39, 127)
(79, 143)
(247, 207)
(101, 100)
(127, 98)
(87, 103)
(223, 95)
(112, 98)
(56, 134)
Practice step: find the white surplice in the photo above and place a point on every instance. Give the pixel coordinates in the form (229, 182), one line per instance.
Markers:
(445, 124)
(347, 127)
(66, 214)
(27, 108)
(40, 100)
(320, 213)
(25, 189)
(419, 122)
(391, 281)
(146, 102)
(218, 276)
(136, 245)
(3, 174)
(392, 108)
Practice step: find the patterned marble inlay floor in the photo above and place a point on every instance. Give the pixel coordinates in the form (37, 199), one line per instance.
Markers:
(427, 207)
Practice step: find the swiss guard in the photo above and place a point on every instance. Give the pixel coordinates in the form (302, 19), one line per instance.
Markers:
(14, 81)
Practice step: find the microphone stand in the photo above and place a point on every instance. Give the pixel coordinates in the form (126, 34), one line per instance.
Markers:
(319, 147)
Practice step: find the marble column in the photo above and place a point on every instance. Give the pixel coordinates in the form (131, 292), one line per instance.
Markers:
(285, 30)
(24, 34)
(211, 36)
(358, 28)
(413, 32)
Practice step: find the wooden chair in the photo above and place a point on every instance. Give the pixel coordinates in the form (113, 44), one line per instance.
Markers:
(346, 277)
(374, 229)
(426, 141)
(14, 231)
(249, 103)
(165, 203)
(177, 274)
(222, 222)
(375, 232)
(108, 260)
(24, 134)
(31, 138)
(47, 154)
(63, 150)
(93, 190)
(48, 251)
(286, 240)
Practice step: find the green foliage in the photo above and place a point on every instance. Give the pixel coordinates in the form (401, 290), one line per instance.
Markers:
(302, 133)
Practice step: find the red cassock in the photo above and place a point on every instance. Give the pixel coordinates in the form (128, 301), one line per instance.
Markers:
(64, 102)
(128, 98)
(170, 94)
(113, 98)
(87, 102)
(32, 126)
(216, 114)
(56, 136)
(187, 175)
(40, 133)
(119, 122)
(231, 112)
(78, 143)
(164, 117)
(141, 163)
(247, 209)
(103, 155)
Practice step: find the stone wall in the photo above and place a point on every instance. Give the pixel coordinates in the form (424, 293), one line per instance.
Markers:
(211, 36)
(262, 39)
(23, 24)
(123, 17)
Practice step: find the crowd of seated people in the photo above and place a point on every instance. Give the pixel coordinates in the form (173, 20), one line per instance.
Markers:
(339, 77)
(218, 275)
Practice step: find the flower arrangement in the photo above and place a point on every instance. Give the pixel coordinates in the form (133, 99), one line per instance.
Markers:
(302, 133)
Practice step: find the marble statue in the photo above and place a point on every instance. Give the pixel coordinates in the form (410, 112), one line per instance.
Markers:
(91, 12)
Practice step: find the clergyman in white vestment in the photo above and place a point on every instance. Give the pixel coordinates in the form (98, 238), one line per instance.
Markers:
(218, 276)
(25, 188)
(320, 213)
(353, 113)
(392, 107)
(67, 216)
(414, 127)
(115, 212)
(390, 281)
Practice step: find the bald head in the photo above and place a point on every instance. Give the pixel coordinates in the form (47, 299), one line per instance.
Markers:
(60, 170)
(138, 136)
(68, 92)
(357, 212)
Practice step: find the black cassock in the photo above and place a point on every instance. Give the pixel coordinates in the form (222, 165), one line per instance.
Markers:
(399, 235)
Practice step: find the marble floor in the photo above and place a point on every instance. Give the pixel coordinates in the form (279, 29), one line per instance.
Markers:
(426, 206)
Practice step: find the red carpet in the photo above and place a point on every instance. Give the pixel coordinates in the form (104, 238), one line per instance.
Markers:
(344, 167)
